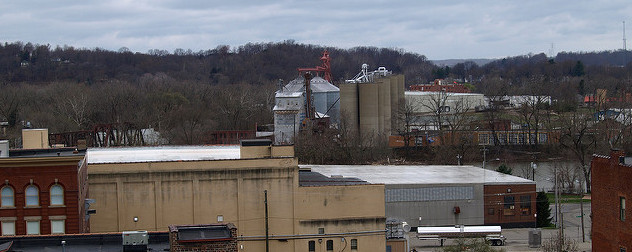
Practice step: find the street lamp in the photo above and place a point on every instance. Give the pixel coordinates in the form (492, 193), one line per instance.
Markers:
(533, 167)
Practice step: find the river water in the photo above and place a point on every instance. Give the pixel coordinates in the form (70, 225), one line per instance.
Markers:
(568, 172)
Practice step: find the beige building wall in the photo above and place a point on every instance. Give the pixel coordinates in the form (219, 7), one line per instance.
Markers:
(35, 139)
(153, 195)
(352, 211)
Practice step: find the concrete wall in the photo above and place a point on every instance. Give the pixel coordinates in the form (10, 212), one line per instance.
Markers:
(435, 204)
(384, 89)
(341, 210)
(372, 108)
(349, 105)
(160, 194)
(368, 110)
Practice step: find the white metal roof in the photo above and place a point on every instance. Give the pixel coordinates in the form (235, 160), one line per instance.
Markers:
(426, 174)
(318, 85)
(161, 154)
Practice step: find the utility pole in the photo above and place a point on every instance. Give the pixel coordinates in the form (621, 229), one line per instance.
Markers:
(581, 207)
(484, 152)
(265, 201)
(557, 212)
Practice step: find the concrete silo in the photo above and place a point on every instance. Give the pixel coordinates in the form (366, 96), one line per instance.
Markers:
(371, 101)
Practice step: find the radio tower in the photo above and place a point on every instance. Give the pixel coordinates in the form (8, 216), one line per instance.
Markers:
(624, 44)
(625, 52)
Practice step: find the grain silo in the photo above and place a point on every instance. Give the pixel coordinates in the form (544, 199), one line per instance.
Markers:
(371, 101)
(325, 96)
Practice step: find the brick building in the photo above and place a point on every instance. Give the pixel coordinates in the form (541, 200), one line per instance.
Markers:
(43, 191)
(211, 237)
(510, 205)
(611, 225)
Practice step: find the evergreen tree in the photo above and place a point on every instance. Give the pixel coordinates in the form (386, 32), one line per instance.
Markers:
(503, 168)
(543, 210)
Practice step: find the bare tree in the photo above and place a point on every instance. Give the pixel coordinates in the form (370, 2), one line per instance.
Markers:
(458, 117)
(436, 105)
(532, 114)
(577, 137)
(406, 117)
(71, 101)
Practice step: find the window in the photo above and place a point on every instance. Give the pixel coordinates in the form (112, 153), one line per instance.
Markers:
(622, 208)
(33, 227)
(525, 205)
(58, 226)
(490, 211)
(32, 196)
(354, 244)
(330, 245)
(311, 246)
(8, 228)
(7, 197)
(509, 205)
(56, 195)
(321, 230)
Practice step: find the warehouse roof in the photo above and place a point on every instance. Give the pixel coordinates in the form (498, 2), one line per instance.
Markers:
(426, 174)
(161, 154)
(309, 178)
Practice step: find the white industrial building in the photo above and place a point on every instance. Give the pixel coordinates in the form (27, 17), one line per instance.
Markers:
(423, 102)
(290, 110)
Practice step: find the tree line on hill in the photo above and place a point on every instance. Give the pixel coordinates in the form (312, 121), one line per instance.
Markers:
(185, 94)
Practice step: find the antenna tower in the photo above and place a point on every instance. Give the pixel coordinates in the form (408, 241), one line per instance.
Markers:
(624, 44)
(552, 51)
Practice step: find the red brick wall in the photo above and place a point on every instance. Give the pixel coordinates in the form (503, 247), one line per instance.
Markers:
(610, 181)
(494, 196)
(43, 177)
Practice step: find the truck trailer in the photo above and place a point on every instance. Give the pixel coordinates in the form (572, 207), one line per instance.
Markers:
(490, 233)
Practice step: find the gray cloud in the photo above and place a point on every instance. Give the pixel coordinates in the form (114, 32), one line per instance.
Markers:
(437, 29)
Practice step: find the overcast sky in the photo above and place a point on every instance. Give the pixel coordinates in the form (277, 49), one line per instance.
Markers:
(438, 29)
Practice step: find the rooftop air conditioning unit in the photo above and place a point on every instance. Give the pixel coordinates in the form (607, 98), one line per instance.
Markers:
(135, 241)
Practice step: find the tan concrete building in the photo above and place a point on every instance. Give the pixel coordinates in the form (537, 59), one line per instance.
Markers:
(152, 188)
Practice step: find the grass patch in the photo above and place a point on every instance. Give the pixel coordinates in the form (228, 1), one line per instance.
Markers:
(566, 198)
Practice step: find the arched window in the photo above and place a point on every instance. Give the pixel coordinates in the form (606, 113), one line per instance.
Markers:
(7, 197)
(56, 195)
(32, 196)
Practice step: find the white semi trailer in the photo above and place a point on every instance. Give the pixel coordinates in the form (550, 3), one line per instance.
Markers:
(491, 233)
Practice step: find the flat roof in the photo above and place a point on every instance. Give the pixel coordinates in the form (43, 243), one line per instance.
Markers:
(161, 154)
(310, 178)
(418, 174)
(51, 152)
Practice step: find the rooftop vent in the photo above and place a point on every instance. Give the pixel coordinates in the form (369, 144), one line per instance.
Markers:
(4, 148)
